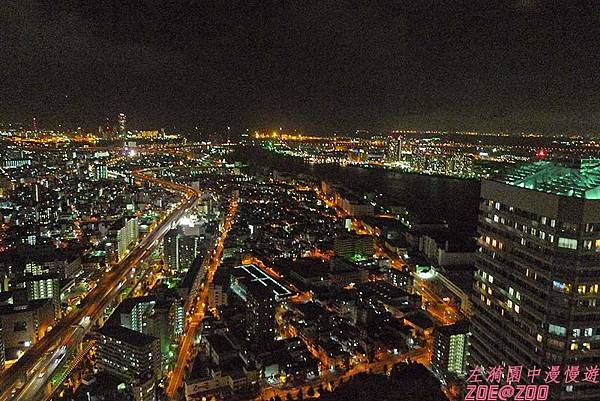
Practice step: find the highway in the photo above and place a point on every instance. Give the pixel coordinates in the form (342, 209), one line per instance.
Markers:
(28, 379)
(196, 314)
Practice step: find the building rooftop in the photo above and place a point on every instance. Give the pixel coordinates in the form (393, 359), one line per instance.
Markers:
(460, 327)
(580, 180)
(126, 335)
(23, 307)
(256, 278)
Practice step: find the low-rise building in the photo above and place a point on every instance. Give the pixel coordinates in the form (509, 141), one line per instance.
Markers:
(25, 324)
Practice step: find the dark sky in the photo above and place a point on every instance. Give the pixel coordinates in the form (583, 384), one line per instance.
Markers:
(313, 65)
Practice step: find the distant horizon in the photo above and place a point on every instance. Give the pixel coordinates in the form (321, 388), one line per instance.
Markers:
(187, 130)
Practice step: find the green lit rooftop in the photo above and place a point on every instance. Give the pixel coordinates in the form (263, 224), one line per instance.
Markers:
(580, 181)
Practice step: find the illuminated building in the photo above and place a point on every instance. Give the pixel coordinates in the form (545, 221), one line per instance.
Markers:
(100, 172)
(122, 124)
(536, 287)
(133, 313)
(131, 356)
(159, 316)
(46, 286)
(354, 246)
(180, 250)
(399, 278)
(393, 152)
(126, 234)
(15, 163)
(450, 346)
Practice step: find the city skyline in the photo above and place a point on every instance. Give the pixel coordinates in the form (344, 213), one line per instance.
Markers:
(299, 200)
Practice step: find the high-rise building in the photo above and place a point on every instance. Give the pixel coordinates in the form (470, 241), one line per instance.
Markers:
(180, 250)
(393, 152)
(126, 233)
(122, 124)
(536, 285)
(449, 354)
(131, 356)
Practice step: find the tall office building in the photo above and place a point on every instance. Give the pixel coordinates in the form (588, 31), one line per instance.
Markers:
(449, 354)
(393, 152)
(536, 284)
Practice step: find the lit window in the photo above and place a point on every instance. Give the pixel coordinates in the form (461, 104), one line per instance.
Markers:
(568, 243)
(557, 330)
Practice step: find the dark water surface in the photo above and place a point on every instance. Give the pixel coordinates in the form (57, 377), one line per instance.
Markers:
(453, 200)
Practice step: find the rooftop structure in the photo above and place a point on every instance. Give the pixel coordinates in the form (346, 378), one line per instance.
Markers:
(253, 276)
(580, 180)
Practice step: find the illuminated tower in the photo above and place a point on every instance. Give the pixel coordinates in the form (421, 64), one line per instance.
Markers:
(34, 124)
(394, 149)
(122, 124)
(536, 287)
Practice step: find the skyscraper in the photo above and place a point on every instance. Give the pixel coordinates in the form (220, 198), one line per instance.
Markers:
(122, 124)
(394, 149)
(536, 283)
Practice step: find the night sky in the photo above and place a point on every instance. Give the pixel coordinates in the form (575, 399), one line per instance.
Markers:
(313, 65)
